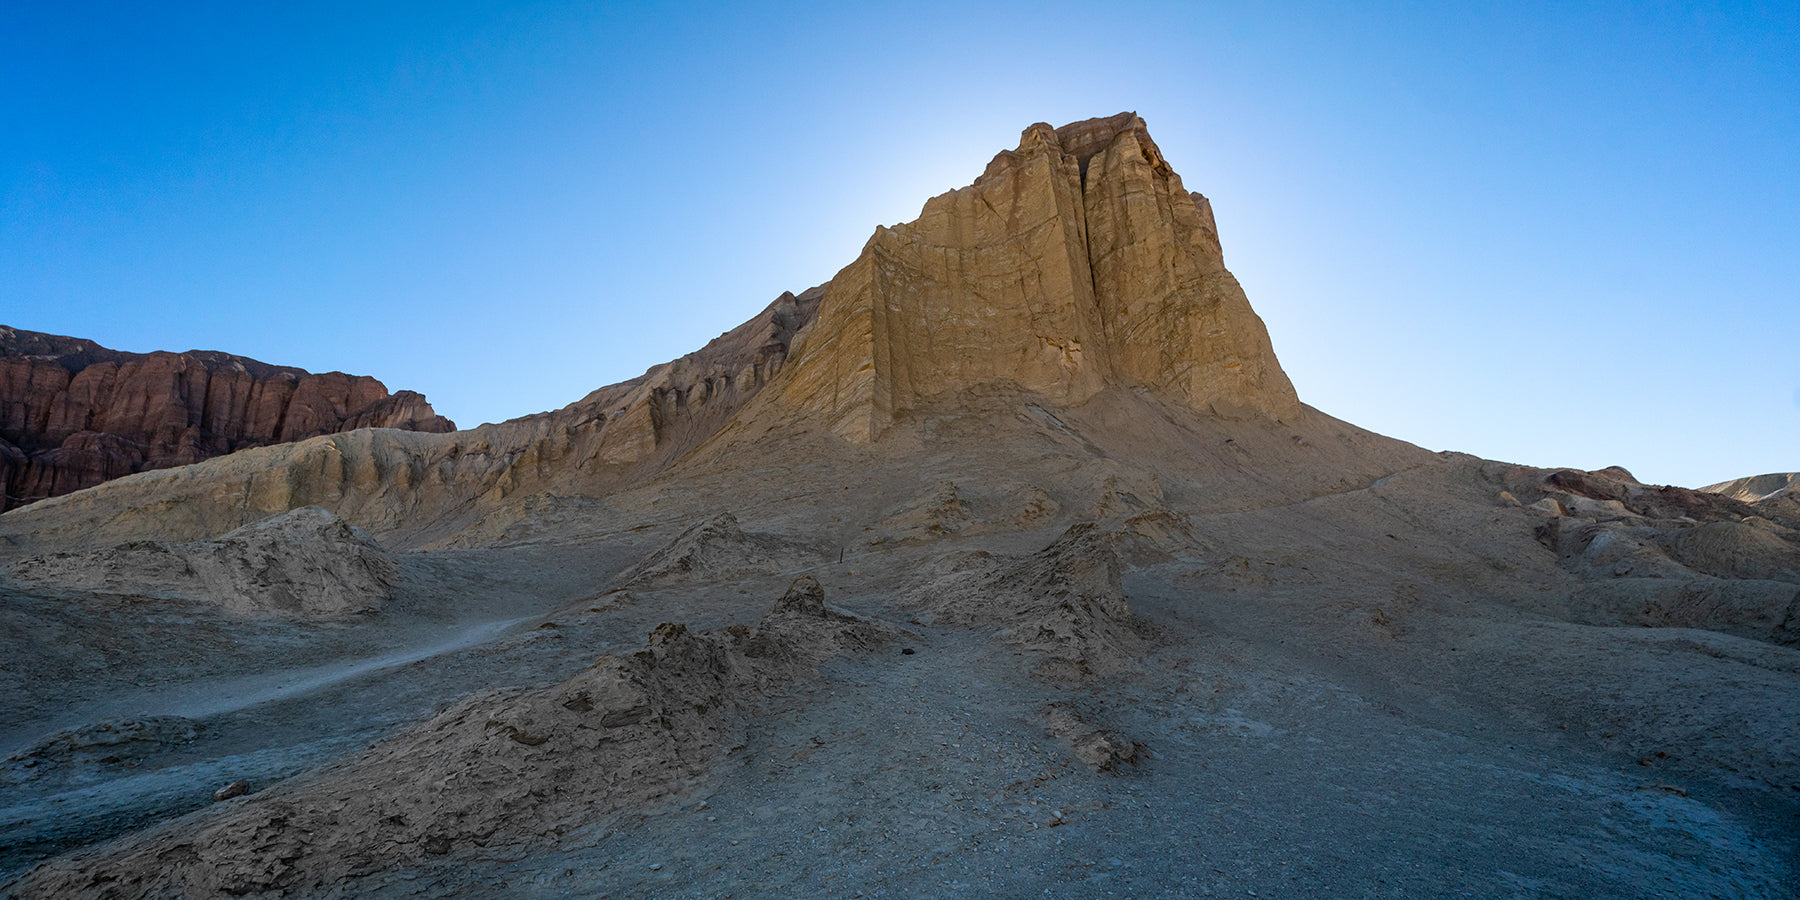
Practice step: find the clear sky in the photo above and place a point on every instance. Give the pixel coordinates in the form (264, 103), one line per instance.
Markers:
(1533, 232)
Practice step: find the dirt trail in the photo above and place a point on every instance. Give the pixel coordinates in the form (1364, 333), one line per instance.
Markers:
(209, 698)
(205, 701)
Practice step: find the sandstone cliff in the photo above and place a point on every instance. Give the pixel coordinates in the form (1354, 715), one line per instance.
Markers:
(427, 485)
(1074, 262)
(1074, 266)
(74, 414)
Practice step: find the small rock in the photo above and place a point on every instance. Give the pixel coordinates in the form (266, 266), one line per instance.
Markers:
(235, 789)
(906, 651)
(804, 597)
(1102, 749)
(655, 866)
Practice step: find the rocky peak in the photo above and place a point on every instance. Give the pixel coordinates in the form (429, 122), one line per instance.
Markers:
(1075, 262)
(1077, 265)
(1089, 138)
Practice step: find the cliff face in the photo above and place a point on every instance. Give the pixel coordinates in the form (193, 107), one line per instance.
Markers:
(403, 483)
(74, 414)
(1074, 262)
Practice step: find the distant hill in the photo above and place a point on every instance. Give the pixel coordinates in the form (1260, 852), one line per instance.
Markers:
(74, 414)
(1756, 487)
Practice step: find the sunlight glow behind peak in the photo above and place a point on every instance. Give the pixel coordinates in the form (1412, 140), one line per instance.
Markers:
(1538, 235)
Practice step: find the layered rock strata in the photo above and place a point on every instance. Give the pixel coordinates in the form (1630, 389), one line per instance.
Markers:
(1773, 486)
(74, 414)
(305, 562)
(1074, 262)
(392, 482)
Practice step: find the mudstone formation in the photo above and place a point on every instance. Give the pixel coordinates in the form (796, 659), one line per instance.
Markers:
(1074, 262)
(74, 414)
(1110, 611)
(1775, 487)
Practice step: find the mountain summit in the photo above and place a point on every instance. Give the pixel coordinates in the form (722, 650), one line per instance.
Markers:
(1076, 261)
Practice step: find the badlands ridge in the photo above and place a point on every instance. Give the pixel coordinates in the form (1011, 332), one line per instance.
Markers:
(74, 414)
(1007, 562)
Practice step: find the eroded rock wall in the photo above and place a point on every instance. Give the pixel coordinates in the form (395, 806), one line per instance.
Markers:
(1076, 261)
(74, 414)
(1076, 264)
(400, 483)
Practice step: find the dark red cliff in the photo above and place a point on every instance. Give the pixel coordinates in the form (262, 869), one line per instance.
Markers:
(74, 414)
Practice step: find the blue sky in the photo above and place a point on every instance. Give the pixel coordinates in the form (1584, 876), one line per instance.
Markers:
(1534, 233)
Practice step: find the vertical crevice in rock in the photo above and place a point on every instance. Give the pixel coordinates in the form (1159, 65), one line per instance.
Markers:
(1075, 262)
(79, 414)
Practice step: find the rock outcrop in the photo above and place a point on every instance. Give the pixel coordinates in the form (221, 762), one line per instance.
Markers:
(393, 482)
(497, 766)
(102, 743)
(714, 549)
(1103, 749)
(1077, 264)
(304, 562)
(1758, 487)
(1669, 556)
(1613, 491)
(74, 414)
(1063, 604)
(1076, 261)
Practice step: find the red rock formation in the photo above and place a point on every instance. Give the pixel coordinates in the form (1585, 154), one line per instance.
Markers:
(385, 482)
(74, 414)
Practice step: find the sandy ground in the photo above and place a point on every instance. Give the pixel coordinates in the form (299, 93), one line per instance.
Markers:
(1353, 690)
(282, 696)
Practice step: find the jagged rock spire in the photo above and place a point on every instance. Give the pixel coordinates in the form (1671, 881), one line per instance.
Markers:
(1076, 261)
